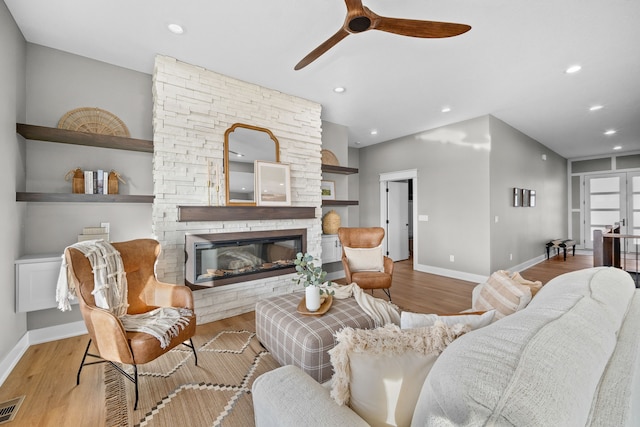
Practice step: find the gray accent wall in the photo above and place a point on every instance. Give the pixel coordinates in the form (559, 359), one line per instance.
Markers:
(57, 82)
(521, 232)
(465, 174)
(12, 173)
(452, 163)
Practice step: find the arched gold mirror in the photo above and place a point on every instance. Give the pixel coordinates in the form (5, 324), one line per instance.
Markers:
(243, 145)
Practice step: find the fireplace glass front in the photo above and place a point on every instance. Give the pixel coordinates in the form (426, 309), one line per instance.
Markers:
(220, 259)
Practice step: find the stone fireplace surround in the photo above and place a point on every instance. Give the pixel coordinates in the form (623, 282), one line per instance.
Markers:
(192, 109)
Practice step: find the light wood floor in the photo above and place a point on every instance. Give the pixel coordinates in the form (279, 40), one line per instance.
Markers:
(46, 374)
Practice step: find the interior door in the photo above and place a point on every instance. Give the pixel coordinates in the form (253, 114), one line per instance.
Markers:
(605, 203)
(397, 231)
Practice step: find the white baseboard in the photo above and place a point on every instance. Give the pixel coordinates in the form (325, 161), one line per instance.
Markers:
(528, 264)
(461, 275)
(8, 363)
(38, 336)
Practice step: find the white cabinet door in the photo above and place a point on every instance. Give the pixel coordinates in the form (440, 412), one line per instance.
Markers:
(331, 248)
(36, 280)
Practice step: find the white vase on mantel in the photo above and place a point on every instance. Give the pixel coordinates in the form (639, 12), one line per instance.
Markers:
(312, 298)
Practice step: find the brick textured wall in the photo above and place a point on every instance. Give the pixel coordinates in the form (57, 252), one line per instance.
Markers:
(192, 109)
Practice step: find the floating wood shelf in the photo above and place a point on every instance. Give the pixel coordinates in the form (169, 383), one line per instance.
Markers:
(240, 213)
(43, 133)
(339, 203)
(342, 170)
(83, 198)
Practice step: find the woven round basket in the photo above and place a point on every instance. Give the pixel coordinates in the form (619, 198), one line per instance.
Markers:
(330, 222)
(328, 158)
(93, 120)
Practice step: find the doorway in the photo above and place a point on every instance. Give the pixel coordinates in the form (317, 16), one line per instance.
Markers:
(398, 207)
(609, 199)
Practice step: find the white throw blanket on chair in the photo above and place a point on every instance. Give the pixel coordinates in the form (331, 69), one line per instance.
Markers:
(382, 312)
(110, 293)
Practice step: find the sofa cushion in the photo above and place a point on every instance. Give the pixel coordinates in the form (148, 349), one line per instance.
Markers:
(503, 294)
(409, 320)
(364, 259)
(379, 373)
(539, 366)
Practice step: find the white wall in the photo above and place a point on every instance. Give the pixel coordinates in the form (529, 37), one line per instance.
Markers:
(12, 167)
(193, 107)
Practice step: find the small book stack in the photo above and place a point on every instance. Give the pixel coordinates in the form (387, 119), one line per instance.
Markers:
(95, 182)
(93, 233)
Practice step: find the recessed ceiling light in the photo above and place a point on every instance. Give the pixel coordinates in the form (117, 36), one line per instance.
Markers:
(339, 89)
(573, 69)
(617, 147)
(175, 28)
(374, 131)
(610, 132)
(446, 109)
(596, 107)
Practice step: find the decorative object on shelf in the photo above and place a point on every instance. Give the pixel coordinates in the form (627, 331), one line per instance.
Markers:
(273, 183)
(331, 222)
(77, 180)
(311, 278)
(328, 189)
(328, 158)
(213, 182)
(93, 120)
(114, 177)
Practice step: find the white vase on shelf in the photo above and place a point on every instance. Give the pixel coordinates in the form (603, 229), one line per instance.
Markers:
(312, 298)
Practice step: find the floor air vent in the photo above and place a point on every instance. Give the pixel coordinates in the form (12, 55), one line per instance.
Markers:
(9, 409)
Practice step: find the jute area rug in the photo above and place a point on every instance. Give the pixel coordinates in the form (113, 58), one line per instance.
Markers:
(174, 392)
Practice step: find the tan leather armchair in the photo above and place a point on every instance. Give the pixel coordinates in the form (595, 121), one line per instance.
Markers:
(366, 237)
(145, 293)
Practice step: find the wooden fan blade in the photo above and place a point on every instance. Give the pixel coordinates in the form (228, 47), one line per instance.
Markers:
(422, 29)
(354, 5)
(328, 44)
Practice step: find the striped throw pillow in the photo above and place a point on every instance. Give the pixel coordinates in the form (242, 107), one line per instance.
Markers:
(503, 294)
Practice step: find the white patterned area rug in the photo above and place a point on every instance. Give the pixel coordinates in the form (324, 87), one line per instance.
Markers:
(174, 392)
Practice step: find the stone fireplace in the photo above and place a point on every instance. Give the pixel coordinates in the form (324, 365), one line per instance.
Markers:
(193, 107)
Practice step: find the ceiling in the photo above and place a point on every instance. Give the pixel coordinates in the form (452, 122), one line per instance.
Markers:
(510, 65)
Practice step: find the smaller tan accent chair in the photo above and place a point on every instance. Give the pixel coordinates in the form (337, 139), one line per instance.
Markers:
(362, 258)
(145, 293)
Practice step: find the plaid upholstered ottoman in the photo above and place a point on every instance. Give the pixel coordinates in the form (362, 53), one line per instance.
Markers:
(303, 341)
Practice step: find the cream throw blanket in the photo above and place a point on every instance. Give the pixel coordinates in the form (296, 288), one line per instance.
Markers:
(382, 312)
(110, 293)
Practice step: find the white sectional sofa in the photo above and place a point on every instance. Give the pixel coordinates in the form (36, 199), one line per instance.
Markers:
(570, 358)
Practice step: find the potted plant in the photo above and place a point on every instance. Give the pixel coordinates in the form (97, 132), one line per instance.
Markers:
(311, 278)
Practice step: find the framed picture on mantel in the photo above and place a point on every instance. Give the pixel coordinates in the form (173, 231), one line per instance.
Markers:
(273, 183)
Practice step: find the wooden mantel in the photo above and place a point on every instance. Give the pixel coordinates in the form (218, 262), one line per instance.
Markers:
(243, 213)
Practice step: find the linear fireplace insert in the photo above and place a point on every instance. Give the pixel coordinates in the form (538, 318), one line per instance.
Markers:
(224, 258)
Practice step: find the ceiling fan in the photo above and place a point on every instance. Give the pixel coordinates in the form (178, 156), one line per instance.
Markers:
(360, 19)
